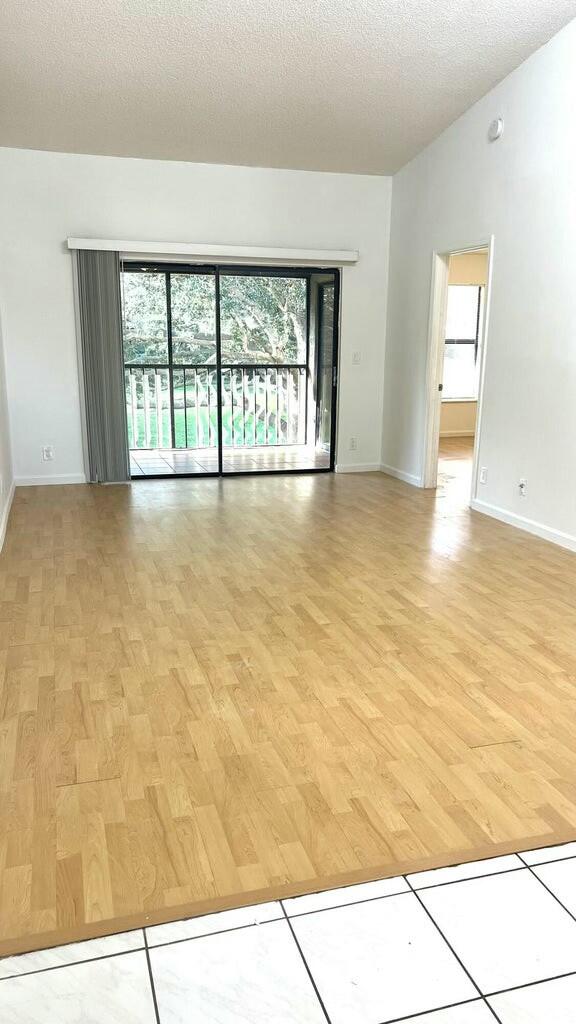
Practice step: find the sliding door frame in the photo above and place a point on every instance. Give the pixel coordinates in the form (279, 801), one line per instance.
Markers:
(334, 383)
(219, 392)
(218, 270)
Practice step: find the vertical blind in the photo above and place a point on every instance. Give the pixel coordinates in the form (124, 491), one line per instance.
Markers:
(100, 315)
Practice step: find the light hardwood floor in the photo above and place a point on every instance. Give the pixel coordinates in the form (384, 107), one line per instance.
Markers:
(455, 469)
(217, 691)
(460, 448)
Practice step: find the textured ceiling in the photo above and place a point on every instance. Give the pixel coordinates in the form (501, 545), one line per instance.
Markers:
(345, 85)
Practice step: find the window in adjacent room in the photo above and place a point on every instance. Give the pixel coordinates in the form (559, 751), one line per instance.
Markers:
(463, 329)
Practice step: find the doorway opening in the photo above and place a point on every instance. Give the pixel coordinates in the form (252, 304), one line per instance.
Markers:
(456, 359)
(229, 369)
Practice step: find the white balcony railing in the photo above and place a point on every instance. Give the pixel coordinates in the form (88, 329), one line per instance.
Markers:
(177, 407)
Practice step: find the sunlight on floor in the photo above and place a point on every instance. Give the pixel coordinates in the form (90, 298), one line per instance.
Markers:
(455, 469)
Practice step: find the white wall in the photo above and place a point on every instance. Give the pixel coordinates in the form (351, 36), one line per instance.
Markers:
(456, 193)
(6, 478)
(457, 419)
(45, 197)
(468, 267)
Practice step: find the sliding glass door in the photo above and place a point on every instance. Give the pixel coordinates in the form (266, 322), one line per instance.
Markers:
(229, 369)
(263, 322)
(324, 288)
(170, 367)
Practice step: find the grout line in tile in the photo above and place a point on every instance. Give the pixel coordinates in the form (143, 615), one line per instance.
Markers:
(404, 892)
(531, 984)
(72, 963)
(151, 976)
(451, 948)
(540, 863)
(339, 906)
(436, 1009)
(548, 890)
(308, 971)
(78, 942)
(470, 878)
(206, 935)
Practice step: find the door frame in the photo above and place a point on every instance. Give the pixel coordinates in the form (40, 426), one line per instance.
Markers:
(228, 269)
(334, 364)
(435, 361)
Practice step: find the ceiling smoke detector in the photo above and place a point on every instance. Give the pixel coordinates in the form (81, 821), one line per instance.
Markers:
(495, 129)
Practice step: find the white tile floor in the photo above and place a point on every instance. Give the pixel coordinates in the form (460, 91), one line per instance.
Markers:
(488, 941)
(199, 461)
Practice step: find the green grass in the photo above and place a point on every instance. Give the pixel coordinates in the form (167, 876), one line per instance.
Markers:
(198, 434)
(240, 429)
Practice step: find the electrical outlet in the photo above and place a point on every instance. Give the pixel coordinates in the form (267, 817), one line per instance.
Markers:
(522, 485)
(47, 453)
(356, 357)
(353, 445)
(483, 474)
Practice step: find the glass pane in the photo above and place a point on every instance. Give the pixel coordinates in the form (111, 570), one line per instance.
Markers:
(460, 379)
(148, 408)
(144, 317)
(325, 345)
(200, 399)
(193, 304)
(172, 413)
(462, 311)
(263, 319)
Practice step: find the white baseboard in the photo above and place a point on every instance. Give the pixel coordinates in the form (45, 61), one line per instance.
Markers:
(408, 478)
(6, 514)
(33, 481)
(565, 540)
(457, 433)
(358, 467)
